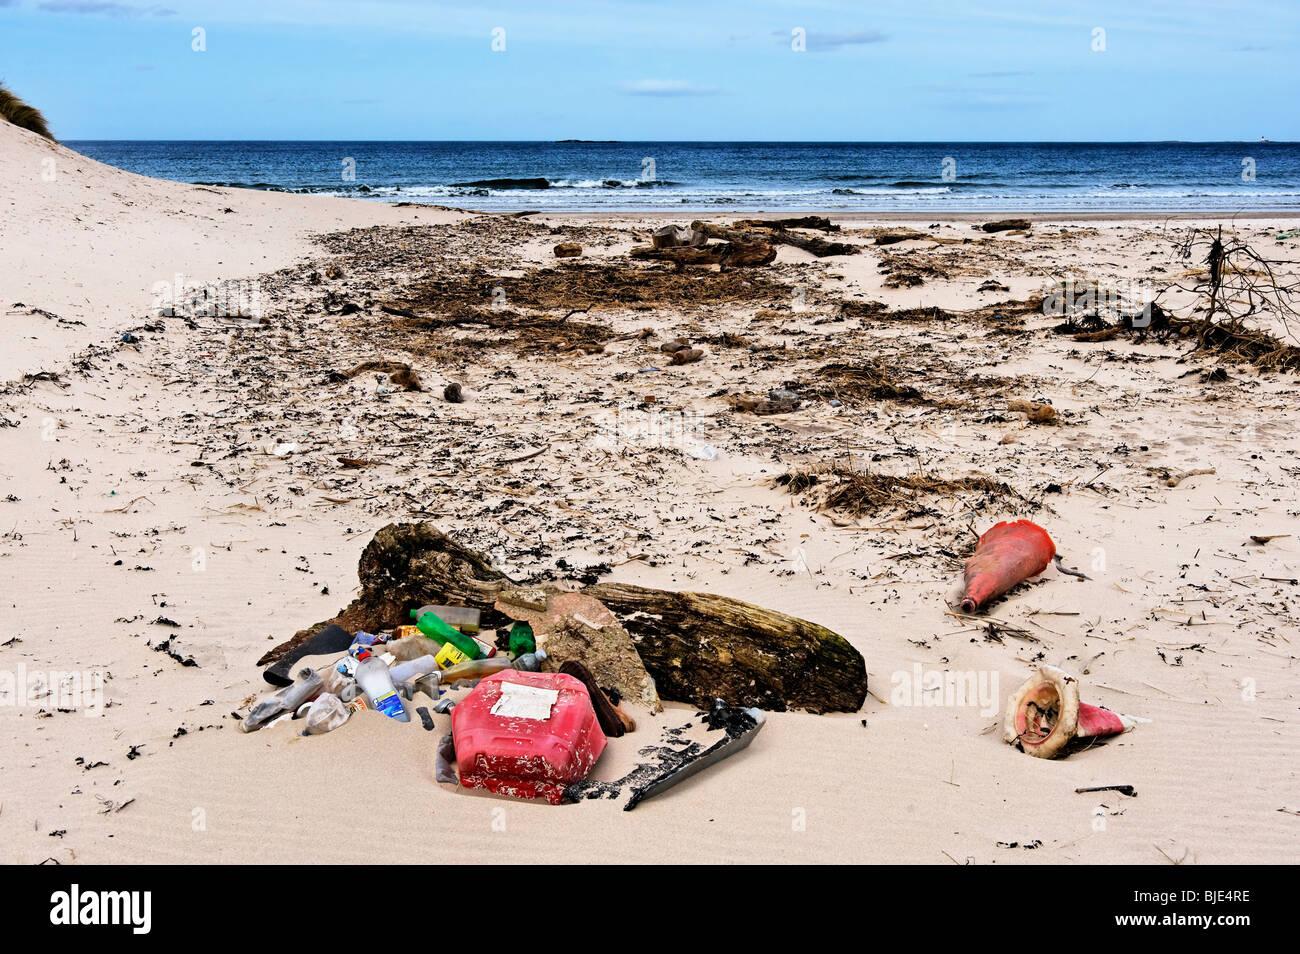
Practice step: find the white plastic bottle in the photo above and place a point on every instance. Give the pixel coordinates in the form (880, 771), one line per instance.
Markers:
(412, 668)
(376, 682)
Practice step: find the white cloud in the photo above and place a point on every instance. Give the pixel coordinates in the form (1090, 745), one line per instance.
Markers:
(102, 7)
(823, 41)
(663, 87)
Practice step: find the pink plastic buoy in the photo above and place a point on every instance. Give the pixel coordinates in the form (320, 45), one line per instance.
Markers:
(1009, 553)
(1044, 715)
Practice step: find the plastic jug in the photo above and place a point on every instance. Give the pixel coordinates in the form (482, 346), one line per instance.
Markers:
(526, 734)
(377, 684)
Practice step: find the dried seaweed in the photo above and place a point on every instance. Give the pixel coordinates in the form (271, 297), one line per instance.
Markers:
(587, 285)
(877, 380)
(859, 492)
(1000, 314)
(857, 383)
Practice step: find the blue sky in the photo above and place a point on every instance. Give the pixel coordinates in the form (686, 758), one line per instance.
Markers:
(659, 70)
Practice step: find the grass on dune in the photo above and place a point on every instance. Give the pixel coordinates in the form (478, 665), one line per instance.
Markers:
(20, 114)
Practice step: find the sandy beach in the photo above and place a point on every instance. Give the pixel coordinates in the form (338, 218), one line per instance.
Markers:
(173, 505)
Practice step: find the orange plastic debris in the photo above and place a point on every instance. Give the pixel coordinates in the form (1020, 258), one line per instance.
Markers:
(1009, 553)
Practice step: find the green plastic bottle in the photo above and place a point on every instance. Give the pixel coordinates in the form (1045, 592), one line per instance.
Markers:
(432, 626)
(522, 639)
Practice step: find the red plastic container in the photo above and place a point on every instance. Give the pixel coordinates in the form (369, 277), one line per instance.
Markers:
(542, 737)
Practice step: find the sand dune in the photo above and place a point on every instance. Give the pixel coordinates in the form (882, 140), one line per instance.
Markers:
(113, 236)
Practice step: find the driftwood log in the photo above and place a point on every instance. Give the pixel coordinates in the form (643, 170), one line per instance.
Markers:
(819, 222)
(809, 243)
(893, 236)
(744, 253)
(670, 236)
(1007, 225)
(697, 646)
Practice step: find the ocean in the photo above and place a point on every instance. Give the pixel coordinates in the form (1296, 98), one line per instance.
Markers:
(744, 176)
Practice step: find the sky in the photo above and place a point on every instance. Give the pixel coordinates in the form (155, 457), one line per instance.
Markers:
(718, 70)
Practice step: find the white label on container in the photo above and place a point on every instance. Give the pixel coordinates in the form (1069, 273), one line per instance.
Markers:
(525, 702)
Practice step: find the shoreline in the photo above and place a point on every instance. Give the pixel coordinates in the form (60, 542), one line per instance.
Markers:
(855, 218)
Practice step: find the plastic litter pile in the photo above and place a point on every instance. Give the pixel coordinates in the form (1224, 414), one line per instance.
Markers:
(515, 730)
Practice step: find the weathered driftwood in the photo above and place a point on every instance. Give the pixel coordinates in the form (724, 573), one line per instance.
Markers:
(667, 236)
(697, 646)
(701, 646)
(819, 222)
(809, 243)
(670, 236)
(720, 253)
(893, 236)
(1007, 225)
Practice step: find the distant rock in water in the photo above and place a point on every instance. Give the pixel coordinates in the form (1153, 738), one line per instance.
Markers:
(505, 184)
(264, 186)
